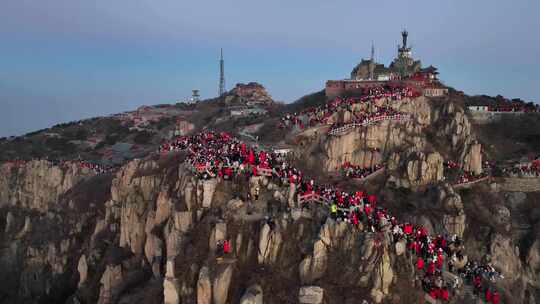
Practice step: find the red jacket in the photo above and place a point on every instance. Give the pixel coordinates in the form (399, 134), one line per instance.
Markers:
(444, 294)
(434, 293)
(488, 295)
(495, 297)
(430, 268)
(439, 261)
(226, 246)
(355, 219)
(477, 281)
(407, 228)
(419, 263)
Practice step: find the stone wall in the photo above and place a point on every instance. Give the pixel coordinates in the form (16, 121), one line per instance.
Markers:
(517, 184)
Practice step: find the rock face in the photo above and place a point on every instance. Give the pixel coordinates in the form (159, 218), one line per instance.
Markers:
(452, 123)
(454, 219)
(83, 269)
(204, 287)
(221, 283)
(251, 93)
(366, 146)
(418, 169)
(171, 288)
(253, 295)
(314, 266)
(269, 244)
(472, 161)
(310, 295)
(505, 256)
(533, 259)
(38, 184)
(110, 281)
(208, 189)
(152, 235)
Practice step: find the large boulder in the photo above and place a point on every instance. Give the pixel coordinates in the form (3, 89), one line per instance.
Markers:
(221, 283)
(505, 256)
(310, 295)
(269, 244)
(219, 233)
(313, 266)
(171, 291)
(204, 287)
(415, 168)
(111, 279)
(533, 258)
(424, 169)
(208, 190)
(454, 225)
(472, 160)
(82, 268)
(383, 277)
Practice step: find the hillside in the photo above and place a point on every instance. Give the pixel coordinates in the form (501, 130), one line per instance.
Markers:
(246, 200)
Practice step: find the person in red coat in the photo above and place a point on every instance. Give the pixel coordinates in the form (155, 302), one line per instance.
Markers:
(372, 199)
(251, 157)
(419, 263)
(226, 246)
(444, 294)
(477, 282)
(440, 260)
(430, 270)
(407, 228)
(434, 293)
(354, 219)
(487, 294)
(495, 297)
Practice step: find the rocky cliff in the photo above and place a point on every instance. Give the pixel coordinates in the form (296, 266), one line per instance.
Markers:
(149, 232)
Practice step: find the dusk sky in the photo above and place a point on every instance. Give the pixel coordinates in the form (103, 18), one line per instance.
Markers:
(63, 60)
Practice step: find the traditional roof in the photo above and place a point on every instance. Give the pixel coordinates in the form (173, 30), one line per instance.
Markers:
(430, 69)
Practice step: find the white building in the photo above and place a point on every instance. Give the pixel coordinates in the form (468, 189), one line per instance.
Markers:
(478, 108)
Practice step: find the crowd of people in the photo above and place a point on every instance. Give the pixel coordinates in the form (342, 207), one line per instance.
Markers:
(215, 155)
(356, 171)
(469, 177)
(463, 176)
(530, 170)
(313, 116)
(212, 154)
(95, 167)
(362, 118)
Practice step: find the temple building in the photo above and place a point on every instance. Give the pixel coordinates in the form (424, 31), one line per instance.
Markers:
(370, 70)
(404, 68)
(404, 65)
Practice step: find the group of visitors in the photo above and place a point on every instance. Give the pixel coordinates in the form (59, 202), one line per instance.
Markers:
(362, 118)
(463, 176)
(14, 163)
(469, 177)
(212, 154)
(357, 171)
(529, 170)
(220, 155)
(97, 168)
(320, 115)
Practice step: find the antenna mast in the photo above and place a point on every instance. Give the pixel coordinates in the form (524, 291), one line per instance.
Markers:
(221, 75)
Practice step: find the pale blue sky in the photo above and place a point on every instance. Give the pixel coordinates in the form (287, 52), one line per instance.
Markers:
(63, 60)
